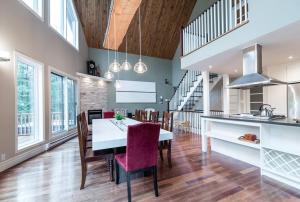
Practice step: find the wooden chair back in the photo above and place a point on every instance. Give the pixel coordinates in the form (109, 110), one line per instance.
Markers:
(81, 139)
(143, 116)
(154, 117)
(167, 121)
(137, 115)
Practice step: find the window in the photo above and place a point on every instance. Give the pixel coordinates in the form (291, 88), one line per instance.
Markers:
(57, 103)
(63, 104)
(71, 103)
(35, 5)
(64, 20)
(29, 82)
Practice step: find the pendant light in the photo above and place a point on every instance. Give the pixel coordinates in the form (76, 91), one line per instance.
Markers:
(115, 66)
(140, 67)
(126, 65)
(108, 75)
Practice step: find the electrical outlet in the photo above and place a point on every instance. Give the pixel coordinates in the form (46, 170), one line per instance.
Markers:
(3, 156)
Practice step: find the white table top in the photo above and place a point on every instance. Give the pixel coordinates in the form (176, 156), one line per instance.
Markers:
(109, 133)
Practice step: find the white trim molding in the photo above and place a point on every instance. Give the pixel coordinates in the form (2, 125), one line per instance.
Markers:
(22, 157)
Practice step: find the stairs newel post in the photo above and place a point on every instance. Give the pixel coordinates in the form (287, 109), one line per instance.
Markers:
(206, 109)
(226, 102)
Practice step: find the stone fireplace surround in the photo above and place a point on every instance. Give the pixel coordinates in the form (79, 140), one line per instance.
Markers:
(92, 95)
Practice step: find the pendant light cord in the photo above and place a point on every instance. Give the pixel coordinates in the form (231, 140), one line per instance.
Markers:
(115, 36)
(126, 47)
(140, 32)
(107, 33)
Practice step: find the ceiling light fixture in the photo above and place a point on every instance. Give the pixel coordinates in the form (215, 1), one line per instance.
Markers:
(108, 75)
(4, 56)
(210, 66)
(115, 66)
(235, 70)
(126, 65)
(140, 67)
(290, 57)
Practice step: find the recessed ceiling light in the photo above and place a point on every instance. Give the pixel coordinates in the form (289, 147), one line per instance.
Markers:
(235, 70)
(290, 57)
(210, 66)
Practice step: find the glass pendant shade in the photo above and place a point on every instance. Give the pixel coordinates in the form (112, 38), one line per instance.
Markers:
(115, 66)
(140, 67)
(117, 84)
(126, 66)
(109, 75)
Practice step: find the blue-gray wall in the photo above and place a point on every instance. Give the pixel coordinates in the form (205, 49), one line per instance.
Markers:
(158, 71)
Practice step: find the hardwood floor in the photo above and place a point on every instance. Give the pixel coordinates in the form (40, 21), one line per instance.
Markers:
(55, 176)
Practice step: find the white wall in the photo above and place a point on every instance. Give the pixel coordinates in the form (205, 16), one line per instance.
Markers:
(22, 31)
(265, 17)
(277, 95)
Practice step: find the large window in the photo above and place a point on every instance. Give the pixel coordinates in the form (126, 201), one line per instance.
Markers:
(29, 82)
(63, 103)
(64, 20)
(35, 5)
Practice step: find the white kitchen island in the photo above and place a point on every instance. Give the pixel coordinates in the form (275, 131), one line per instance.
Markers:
(277, 154)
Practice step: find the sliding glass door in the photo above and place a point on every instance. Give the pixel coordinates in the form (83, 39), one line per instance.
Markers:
(63, 104)
(57, 103)
(29, 91)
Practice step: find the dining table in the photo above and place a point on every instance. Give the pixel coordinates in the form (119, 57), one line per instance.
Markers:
(112, 134)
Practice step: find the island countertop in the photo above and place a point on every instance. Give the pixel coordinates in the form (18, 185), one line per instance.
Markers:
(285, 121)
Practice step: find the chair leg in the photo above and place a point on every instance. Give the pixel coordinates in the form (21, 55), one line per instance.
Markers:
(83, 176)
(155, 181)
(161, 151)
(128, 187)
(169, 153)
(117, 172)
(112, 170)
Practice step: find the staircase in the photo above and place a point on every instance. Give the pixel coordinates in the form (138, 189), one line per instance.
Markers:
(190, 90)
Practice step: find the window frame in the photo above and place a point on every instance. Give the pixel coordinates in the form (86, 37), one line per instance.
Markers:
(34, 12)
(64, 35)
(68, 130)
(39, 73)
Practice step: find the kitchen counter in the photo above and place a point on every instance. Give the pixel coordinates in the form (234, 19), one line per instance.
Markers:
(277, 153)
(285, 121)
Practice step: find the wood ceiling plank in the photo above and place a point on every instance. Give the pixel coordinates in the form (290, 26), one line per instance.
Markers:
(121, 16)
(161, 24)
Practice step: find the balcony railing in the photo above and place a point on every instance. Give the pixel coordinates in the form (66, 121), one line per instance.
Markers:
(221, 18)
(26, 123)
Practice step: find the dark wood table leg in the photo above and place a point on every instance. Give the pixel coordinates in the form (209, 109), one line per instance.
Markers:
(169, 153)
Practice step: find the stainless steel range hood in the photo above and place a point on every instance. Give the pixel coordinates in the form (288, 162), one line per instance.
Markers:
(252, 71)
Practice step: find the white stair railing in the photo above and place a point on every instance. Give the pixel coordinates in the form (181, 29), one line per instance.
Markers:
(222, 17)
(184, 87)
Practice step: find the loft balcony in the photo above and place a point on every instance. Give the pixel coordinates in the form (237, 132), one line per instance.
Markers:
(225, 28)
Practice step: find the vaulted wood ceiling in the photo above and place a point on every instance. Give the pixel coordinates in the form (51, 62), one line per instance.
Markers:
(161, 22)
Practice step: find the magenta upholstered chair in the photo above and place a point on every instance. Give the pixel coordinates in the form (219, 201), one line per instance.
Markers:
(108, 115)
(141, 152)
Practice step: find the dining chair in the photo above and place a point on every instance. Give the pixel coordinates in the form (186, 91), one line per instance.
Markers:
(167, 124)
(84, 127)
(154, 117)
(108, 115)
(143, 116)
(87, 155)
(137, 115)
(141, 153)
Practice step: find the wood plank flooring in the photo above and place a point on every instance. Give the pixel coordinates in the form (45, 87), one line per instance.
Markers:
(55, 176)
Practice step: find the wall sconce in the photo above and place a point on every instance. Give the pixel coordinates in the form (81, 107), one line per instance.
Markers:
(4, 56)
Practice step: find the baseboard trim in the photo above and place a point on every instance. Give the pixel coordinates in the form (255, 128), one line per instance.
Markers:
(58, 142)
(22, 157)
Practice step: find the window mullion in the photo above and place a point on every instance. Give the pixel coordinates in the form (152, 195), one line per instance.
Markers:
(66, 114)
